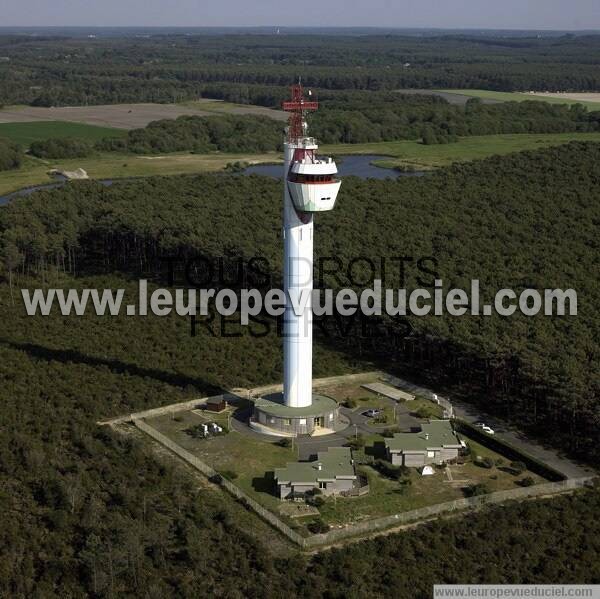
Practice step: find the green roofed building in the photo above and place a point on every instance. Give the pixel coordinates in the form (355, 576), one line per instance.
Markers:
(435, 443)
(332, 472)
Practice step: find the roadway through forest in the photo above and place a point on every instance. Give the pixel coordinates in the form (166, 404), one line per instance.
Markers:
(507, 432)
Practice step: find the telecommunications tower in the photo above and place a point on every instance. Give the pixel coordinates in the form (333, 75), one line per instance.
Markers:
(309, 185)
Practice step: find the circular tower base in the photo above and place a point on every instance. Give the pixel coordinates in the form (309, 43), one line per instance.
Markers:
(272, 417)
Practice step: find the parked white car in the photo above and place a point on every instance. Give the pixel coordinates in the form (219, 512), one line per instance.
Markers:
(485, 428)
(372, 413)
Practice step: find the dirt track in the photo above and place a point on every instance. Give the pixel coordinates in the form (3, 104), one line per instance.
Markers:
(451, 98)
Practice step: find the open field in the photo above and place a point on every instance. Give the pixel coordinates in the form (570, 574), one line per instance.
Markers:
(28, 132)
(591, 100)
(118, 166)
(222, 107)
(416, 155)
(130, 116)
(120, 116)
(409, 154)
(583, 97)
(452, 97)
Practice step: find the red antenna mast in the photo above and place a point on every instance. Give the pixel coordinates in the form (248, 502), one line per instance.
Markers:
(297, 106)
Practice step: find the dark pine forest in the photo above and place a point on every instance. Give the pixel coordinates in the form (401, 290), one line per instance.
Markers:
(86, 511)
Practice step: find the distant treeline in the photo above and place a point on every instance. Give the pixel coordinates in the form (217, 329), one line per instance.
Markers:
(357, 117)
(227, 133)
(64, 147)
(52, 71)
(201, 134)
(386, 116)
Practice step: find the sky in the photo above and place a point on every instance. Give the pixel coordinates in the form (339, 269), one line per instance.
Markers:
(446, 14)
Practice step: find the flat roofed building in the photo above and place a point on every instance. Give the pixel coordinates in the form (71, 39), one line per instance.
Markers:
(388, 391)
(435, 443)
(332, 473)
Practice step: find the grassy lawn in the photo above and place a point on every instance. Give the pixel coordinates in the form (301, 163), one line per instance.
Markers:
(253, 460)
(378, 402)
(248, 457)
(388, 497)
(366, 399)
(414, 491)
(416, 155)
(518, 97)
(423, 408)
(25, 133)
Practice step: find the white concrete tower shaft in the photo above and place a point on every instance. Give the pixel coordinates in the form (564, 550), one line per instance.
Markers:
(310, 185)
(298, 280)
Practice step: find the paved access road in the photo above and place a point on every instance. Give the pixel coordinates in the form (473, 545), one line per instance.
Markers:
(310, 446)
(508, 433)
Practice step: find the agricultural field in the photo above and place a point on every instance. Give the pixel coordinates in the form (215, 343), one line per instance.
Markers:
(452, 97)
(590, 100)
(27, 132)
(129, 116)
(222, 107)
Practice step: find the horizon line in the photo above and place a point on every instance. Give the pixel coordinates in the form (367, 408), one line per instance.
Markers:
(295, 27)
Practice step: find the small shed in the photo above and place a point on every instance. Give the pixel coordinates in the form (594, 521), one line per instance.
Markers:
(216, 404)
(388, 391)
(427, 471)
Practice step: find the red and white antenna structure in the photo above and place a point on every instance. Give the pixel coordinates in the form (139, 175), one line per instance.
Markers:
(297, 107)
